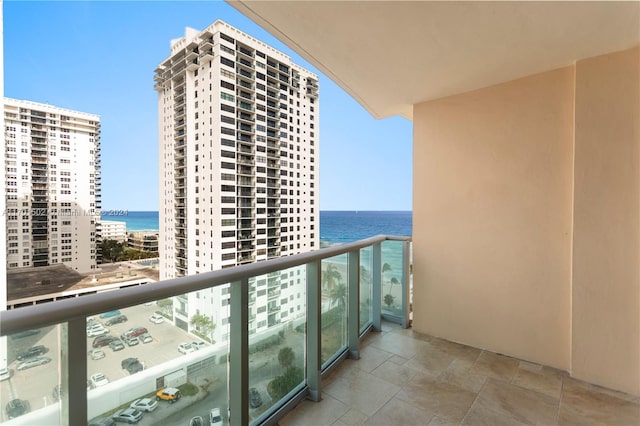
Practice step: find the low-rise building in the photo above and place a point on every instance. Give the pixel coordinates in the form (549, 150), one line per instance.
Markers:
(113, 230)
(143, 241)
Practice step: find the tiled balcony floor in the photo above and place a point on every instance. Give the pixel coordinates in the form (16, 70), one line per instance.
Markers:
(404, 378)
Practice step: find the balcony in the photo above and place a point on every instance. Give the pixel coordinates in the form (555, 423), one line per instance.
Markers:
(343, 299)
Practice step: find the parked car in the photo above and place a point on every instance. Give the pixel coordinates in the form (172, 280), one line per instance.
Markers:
(4, 374)
(116, 320)
(97, 330)
(96, 354)
(215, 419)
(116, 345)
(101, 341)
(135, 367)
(185, 348)
(34, 362)
(128, 415)
(254, 398)
(156, 318)
(31, 352)
(57, 393)
(131, 341)
(102, 421)
(125, 362)
(25, 333)
(134, 332)
(16, 408)
(110, 314)
(198, 345)
(168, 394)
(98, 379)
(145, 404)
(145, 338)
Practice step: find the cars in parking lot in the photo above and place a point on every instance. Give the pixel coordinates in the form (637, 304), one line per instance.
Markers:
(134, 332)
(116, 345)
(156, 318)
(102, 421)
(145, 338)
(16, 408)
(101, 341)
(254, 398)
(185, 348)
(109, 314)
(128, 415)
(198, 345)
(98, 379)
(168, 394)
(96, 354)
(145, 404)
(131, 341)
(132, 365)
(33, 362)
(97, 330)
(215, 419)
(31, 352)
(116, 320)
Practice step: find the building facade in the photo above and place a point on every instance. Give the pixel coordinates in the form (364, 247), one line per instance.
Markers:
(52, 184)
(143, 241)
(238, 145)
(113, 230)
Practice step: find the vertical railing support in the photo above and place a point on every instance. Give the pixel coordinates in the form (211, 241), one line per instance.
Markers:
(239, 353)
(314, 331)
(406, 283)
(75, 363)
(353, 300)
(376, 282)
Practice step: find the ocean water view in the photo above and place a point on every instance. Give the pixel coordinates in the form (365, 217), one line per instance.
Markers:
(336, 227)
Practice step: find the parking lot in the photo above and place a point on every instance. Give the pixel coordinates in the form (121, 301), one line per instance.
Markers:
(36, 384)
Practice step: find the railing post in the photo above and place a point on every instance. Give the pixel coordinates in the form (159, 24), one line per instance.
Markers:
(314, 332)
(353, 319)
(376, 282)
(406, 283)
(74, 407)
(239, 353)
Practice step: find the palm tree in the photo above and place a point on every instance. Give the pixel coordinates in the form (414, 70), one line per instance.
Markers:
(338, 295)
(286, 356)
(331, 276)
(388, 300)
(203, 324)
(385, 268)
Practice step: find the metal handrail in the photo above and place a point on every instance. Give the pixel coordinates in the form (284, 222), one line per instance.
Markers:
(37, 316)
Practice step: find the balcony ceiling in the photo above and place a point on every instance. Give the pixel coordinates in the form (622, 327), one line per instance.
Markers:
(392, 55)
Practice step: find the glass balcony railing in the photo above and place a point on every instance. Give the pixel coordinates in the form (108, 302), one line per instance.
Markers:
(250, 341)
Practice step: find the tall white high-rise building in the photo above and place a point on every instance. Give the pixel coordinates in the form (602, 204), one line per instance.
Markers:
(238, 146)
(52, 185)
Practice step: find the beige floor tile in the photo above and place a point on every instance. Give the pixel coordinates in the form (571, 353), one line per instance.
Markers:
(591, 404)
(371, 358)
(462, 352)
(502, 403)
(394, 373)
(431, 361)
(538, 381)
(409, 332)
(309, 413)
(438, 421)
(399, 345)
(461, 374)
(447, 401)
(400, 413)
(362, 391)
(397, 359)
(496, 366)
(354, 417)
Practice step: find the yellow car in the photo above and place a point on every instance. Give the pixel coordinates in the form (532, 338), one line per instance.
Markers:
(168, 394)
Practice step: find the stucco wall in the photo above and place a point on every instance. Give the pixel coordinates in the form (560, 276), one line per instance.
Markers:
(606, 247)
(492, 217)
(527, 219)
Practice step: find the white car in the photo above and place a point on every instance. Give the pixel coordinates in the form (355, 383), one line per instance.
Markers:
(186, 348)
(215, 419)
(98, 379)
(156, 318)
(145, 404)
(198, 345)
(96, 354)
(97, 330)
(4, 374)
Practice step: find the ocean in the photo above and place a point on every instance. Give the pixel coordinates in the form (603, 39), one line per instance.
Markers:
(336, 227)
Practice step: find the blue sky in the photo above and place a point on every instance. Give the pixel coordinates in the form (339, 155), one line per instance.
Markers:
(99, 57)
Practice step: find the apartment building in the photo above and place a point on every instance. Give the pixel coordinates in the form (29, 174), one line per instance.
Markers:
(238, 145)
(143, 240)
(113, 230)
(52, 185)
